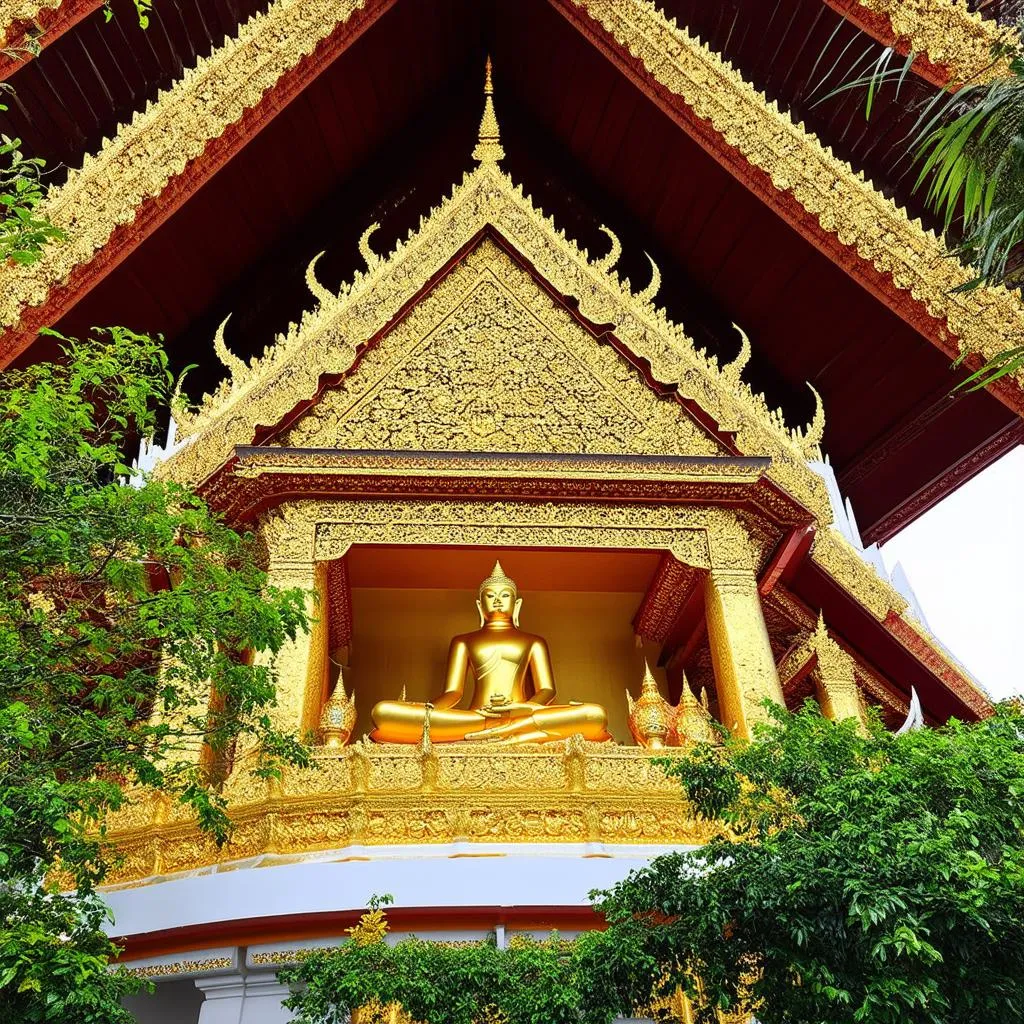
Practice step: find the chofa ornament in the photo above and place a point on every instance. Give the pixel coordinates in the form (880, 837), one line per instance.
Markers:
(656, 724)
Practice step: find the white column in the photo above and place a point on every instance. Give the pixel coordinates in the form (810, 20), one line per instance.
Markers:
(243, 999)
(223, 997)
(263, 996)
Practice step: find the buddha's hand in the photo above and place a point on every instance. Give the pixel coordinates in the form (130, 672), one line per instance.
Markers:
(514, 709)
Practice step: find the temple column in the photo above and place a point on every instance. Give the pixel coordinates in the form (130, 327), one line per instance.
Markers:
(301, 666)
(741, 653)
(243, 999)
(190, 748)
(837, 691)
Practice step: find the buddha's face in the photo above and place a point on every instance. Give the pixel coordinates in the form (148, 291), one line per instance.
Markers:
(497, 601)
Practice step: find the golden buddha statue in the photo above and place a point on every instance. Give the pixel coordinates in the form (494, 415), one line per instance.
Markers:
(513, 686)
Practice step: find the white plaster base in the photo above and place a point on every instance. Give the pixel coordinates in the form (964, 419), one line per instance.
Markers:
(456, 876)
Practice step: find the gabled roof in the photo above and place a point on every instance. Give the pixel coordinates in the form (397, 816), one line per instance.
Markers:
(181, 211)
(894, 257)
(328, 342)
(359, 372)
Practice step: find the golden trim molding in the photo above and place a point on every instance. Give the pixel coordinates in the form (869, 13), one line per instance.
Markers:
(183, 967)
(841, 560)
(399, 299)
(947, 32)
(155, 146)
(372, 794)
(986, 321)
(16, 12)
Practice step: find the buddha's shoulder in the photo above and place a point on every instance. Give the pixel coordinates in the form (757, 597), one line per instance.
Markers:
(533, 638)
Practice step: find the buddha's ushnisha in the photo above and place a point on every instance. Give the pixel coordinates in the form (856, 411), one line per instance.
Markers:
(513, 686)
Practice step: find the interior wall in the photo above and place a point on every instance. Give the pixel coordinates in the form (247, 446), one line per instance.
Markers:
(401, 637)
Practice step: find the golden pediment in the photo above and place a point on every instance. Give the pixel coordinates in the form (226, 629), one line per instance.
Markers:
(345, 329)
(488, 361)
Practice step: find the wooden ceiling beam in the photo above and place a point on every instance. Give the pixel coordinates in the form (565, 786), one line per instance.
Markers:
(820, 196)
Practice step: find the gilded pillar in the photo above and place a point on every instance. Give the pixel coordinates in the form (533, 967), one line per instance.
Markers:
(184, 718)
(836, 682)
(741, 653)
(301, 666)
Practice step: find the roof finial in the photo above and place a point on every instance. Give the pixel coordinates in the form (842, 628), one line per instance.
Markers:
(488, 147)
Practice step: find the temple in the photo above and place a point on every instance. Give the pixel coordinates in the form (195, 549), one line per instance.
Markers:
(554, 377)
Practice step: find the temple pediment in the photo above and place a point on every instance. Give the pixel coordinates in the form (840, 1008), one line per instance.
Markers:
(489, 361)
(488, 329)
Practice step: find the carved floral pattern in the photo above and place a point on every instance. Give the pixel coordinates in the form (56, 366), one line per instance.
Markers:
(533, 794)
(507, 370)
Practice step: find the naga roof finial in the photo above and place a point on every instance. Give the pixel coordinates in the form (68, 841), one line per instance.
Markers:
(488, 146)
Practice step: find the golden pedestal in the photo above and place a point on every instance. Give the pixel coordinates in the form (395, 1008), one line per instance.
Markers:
(371, 794)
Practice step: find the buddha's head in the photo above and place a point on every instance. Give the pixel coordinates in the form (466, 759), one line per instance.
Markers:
(498, 598)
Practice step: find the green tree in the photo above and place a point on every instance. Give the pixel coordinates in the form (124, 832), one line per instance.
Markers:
(528, 982)
(858, 877)
(122, 609)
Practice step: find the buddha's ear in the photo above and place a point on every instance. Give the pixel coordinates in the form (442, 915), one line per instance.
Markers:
(480, 609)
(515, 611)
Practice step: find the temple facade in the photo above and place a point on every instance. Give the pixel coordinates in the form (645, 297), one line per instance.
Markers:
(556, 513)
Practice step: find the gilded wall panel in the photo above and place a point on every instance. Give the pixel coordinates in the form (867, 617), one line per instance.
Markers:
(697, 536)
(489, 362)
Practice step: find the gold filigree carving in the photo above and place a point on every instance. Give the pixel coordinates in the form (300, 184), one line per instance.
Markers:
(14, 14)
(608, 261)
(371, 258)
(595, 384)
(189, 967)
(837, 556)
(948, 33)
(175, 127)
(832, 669)
(282, 957)
(656, 724)
(577, 792)
(338, 717)
(231, 362)
(985, 320)
(700, 537)
(506, 370)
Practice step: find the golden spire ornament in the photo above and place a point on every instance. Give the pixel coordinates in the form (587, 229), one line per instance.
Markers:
(656, 724)
(338, 717)
(488, 147)
(650, 715)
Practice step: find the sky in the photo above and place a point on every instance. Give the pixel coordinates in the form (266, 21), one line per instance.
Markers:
(965, 560)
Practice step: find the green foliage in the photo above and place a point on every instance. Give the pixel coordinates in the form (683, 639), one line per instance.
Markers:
(23, 231)
(115, 602)
(528, 982)
(142, 10)
(968, 143)
(55, 959)
(865, 878)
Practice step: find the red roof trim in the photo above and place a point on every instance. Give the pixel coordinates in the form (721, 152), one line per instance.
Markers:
(785, 205)
(151, 214)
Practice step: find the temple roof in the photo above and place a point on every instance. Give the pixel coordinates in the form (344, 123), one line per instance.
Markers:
(487, 348)
(315, 118)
